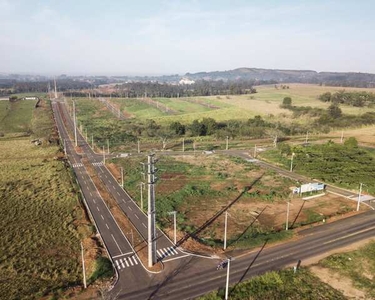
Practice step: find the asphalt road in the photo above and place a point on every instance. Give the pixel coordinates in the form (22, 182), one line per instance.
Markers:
(187, 276)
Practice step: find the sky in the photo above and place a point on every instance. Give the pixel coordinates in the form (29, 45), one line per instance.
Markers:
(121, 37)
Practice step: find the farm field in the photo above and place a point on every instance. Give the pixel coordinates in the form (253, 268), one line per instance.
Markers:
(16, 117)
(42, 220)
(199, 186)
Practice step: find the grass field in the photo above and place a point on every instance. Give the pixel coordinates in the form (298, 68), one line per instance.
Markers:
(16, 117)
(280, 285)
(42, 220)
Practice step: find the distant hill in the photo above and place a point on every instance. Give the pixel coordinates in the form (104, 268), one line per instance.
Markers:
(288, 76)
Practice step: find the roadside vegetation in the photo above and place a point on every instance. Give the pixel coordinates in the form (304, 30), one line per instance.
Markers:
(345, 165)
(284, 284)
(42, 220)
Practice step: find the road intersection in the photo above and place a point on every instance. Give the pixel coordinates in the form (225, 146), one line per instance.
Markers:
(186, 276)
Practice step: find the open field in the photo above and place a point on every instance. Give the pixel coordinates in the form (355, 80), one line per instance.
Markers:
(280, 285)
(42, 220)
(17, 116)
(199, 186)
(351, 272)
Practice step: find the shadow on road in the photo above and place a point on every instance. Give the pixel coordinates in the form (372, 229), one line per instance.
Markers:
(216, 215)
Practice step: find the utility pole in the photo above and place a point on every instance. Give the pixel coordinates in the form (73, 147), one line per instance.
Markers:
(54, 79)
(139, 146)
(92, 142)
(83, 267)
(131, 232)
(255, 151)
(108, 146)
(227, 146)
(142, 187)
(75, 123)
(122, 177)
(174, 225)
(227, 284)
(103, 156)
(291, 163)
(151, 211)
(86, 135)
(342, 136)
(359, 195)
(194, 146)
(287, 215)
(225, 230)
(307, 137)
(183, 145)
(275, 142)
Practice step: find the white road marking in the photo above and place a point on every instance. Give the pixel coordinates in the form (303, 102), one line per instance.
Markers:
(130, 261)
(136, 216)
(144, 225)
(126, 262)
(118, 266)
(113, 187)
(122, 264)
(174, 250)
(118, 193)
(127, 253)
(93, 200)
(129, 207)
(98, 208)
(160, 255)
(90, 194)
(106, 225)
(102, 217)
(135, 260)
(116, 243)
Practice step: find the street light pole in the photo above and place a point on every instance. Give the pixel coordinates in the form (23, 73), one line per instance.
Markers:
(287, 216)
(183, 145)
(227, 284)
(225, 230)
(227, 146)
(108, 146)
(255, 151)
(65, 147)
(103, 155)
(83, 267)
(174, 213)
(359, 195)
(142, 186)
(122, 177)
(291, 163)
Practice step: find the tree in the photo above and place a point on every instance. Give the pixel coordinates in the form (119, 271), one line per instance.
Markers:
(351, 142)
(287, 101)
(210, 124)
(334, 111)
(197, 128)
(177, 128)
(326, 97)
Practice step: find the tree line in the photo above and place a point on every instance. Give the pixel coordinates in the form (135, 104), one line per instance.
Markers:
(358, 99)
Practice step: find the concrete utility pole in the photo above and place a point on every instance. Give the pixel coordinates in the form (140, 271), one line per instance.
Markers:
(151, 211)
(139, 146)
(287, 216)
(194, 146)
(142, 187)
(291, 163)
(64, 147)
(359, 195)
(92, 142)
(108, 146)
(54, 79)
(342, 136)
(86, 135)
(255, 151)
(83, 267)
(227, 284)
(307, 137)
(75, 124)
(183, 145)
(227, 145)
(225, 230)
(103, 156)
(275, 142)
(174, 225)
(122, 177)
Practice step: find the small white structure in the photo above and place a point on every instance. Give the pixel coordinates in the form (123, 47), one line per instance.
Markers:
(186, 81)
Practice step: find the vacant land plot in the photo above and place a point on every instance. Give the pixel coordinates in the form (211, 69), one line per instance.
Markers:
(42, 220)
(200, 186)
(138, 109)
(17, 116)
(284, 284)
(351, 272)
